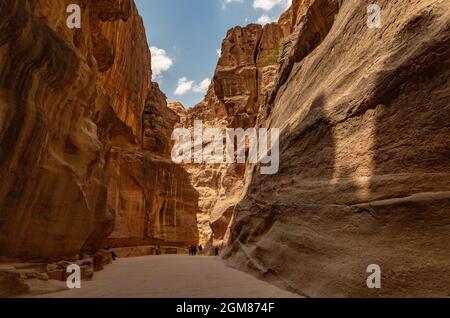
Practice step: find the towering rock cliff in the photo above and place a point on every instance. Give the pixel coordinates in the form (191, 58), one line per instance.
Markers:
(364, 175)
(74, 114)
(85, 140)
(53, 194)
(152, 196)
(245, 72)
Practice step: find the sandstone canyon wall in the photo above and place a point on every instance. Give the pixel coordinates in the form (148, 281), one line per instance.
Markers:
(85, 140)
(364, 176)
(154, 200)
(245, 72)
(76, 159)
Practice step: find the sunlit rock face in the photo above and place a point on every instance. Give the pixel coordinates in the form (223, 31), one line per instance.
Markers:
(124, 62)
(246, 68)
(53, 193)
(364, 175)
(153, 198)
(159, 122)
(71, 115)
(245, 72)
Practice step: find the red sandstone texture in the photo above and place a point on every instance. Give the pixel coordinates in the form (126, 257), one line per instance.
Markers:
(364, 178)
(85, 139)
(80, 121)
(245, 72)
(364, 175)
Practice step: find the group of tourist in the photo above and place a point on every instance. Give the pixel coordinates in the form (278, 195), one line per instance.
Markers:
(193, 250)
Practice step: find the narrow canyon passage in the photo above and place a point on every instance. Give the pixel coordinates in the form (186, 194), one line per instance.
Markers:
(168, 276)
(99, 155)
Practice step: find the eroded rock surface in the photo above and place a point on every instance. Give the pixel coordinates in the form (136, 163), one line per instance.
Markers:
(154, 200)
(53, 194)
(245, 72)
(78, 113)
(364, 175)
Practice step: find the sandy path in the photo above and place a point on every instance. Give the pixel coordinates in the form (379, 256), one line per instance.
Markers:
(173, 276)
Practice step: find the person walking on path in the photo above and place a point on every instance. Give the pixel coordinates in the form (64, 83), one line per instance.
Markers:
(191, 250)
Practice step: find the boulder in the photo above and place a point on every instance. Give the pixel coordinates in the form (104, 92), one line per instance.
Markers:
(11, 284)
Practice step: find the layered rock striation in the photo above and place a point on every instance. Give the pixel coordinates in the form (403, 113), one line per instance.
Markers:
(85, 140)
(154, 200)
(81, 134)
(364, 175)
(245, 72)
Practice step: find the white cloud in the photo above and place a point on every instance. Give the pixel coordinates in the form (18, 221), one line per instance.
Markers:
(161, 62)
(268, 5)
(184, 86)
(225, 2)
(219, 52)
(264, 19)
(202, 87)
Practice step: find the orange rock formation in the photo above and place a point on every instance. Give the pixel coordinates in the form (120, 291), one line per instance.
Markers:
(84, 135)
(364, 175)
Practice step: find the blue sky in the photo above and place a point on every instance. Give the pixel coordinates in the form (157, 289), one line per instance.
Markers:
(185, 36)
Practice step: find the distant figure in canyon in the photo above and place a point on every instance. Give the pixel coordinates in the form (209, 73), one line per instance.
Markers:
(113, 254)
(192, 250)
(200, 250)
